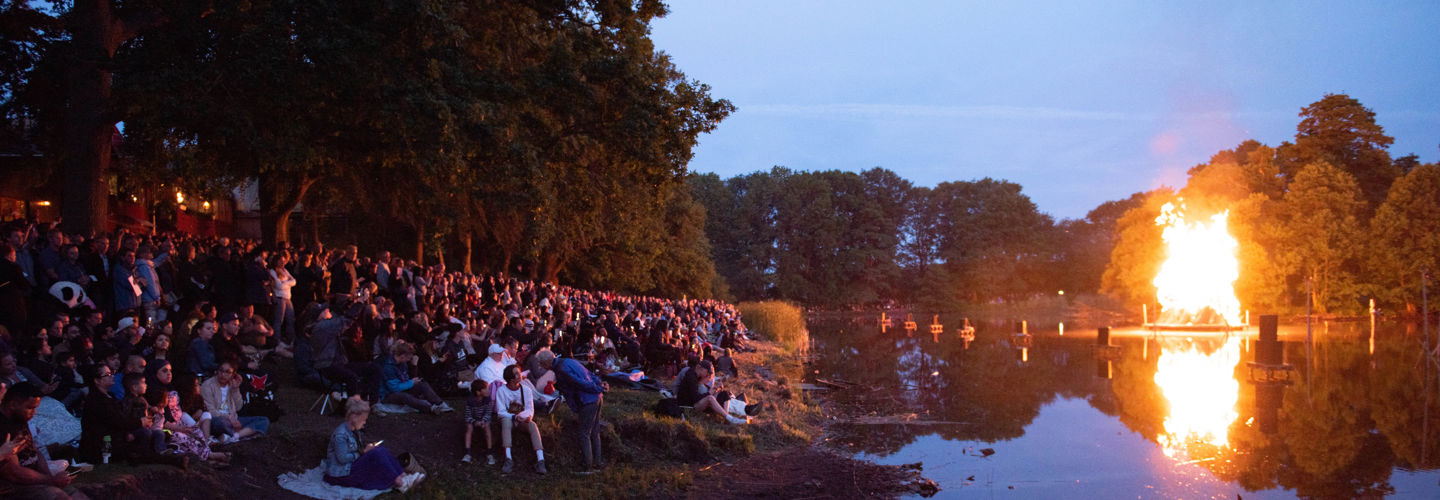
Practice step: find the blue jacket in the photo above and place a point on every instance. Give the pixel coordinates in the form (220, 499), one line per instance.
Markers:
(202, 357)
(396, 378)
(579, 385)
(343, 451)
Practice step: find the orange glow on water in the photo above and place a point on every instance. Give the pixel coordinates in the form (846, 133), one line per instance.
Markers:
(1201, 391)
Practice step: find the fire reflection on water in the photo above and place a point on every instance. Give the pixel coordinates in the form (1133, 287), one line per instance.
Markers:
(1201, 391)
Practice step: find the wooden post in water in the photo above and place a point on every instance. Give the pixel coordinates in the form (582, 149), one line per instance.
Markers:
(1103, 365)
(1144, 314)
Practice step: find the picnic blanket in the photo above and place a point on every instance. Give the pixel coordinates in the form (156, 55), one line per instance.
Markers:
(311, 483)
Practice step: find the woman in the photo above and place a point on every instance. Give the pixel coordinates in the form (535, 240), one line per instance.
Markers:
(184, 433)
(399, 387)
(159, 380)
(160, 349)
(282, 308)
(352, 462)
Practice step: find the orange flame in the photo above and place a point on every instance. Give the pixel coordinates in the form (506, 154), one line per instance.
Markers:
(1196, 283)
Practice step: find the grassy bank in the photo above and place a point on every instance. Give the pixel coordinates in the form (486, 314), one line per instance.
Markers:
(778, 321)
(651, 456)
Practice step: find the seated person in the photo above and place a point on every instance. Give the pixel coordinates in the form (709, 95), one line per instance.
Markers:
(725, 365)
(185, 434)
(479, 412)
(692, 390)
(101, 418)
(399, 387)
(138, 423)
(353, 463)
(24, 472)
(223, 400)
(492, 370)
(515, 405)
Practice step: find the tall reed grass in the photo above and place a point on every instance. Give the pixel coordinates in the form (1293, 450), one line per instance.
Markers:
(781, 322)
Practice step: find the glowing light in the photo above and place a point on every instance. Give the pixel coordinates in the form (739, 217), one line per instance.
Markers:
(1196, 283)
(134, 198)
(1201, 390)
(179, 197)
(205, 205)
(43, 203)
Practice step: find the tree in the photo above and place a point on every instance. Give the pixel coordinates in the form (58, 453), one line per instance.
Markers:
(1339, 130)
(1322, 235)
(1138, 252)
(1403, 239)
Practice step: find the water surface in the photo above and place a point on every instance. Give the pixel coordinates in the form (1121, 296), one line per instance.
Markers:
(1066, 419)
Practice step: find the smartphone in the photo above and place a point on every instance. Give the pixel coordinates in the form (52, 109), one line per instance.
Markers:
(377, 443)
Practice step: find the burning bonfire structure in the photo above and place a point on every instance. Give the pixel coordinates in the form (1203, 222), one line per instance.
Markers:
(1196, 283)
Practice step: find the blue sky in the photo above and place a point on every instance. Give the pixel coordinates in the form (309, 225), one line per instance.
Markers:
(1078, 103)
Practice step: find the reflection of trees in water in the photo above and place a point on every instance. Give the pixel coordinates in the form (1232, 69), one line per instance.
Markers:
(1341, 433)
(983, 387)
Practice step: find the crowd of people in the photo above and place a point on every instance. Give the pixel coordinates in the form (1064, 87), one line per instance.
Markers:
(165, 347)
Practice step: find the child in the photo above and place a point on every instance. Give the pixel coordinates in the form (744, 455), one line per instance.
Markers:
(479, 409)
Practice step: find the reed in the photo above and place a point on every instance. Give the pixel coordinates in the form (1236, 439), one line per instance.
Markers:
(779, 321)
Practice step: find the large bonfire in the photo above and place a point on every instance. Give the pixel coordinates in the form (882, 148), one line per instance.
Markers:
(1195, 287)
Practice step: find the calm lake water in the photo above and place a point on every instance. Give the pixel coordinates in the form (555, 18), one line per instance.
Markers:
(1155, 417)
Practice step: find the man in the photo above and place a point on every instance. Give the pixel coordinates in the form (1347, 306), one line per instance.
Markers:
(127, 282)
(25, 473)
(493, 368)
(343, 275)
(691, 391)
(382, 271)
(222, 398)
(202, 355)
(584, 392)
(49, 258)
(227, 342)
(18, 238)
(14, 292)
(516, 408)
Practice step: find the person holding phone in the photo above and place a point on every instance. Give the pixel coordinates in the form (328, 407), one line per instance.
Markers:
(352, 462)
(24, 472)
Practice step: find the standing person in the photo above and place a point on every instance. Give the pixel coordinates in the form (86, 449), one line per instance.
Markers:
(343, 275)
(516, 408)
(128, 282)
(283, 307)
(14, 292)
(585, 393)
(353, 463)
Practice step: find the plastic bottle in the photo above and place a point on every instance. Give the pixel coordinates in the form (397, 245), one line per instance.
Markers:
(105, 452)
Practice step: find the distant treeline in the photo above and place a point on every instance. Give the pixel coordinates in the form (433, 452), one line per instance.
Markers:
(1330, 215)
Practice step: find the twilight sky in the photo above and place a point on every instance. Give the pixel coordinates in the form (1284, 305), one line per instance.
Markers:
(1078, 103)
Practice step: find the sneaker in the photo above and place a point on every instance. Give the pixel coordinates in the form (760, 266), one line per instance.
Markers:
(465, 459)
(445, 407)
(489, 459)
(752, 409)
(540, 468)
(410, 480)
(509, 466)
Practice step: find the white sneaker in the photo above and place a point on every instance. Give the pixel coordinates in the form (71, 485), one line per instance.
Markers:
(445, 407)
(410, 480)
(465, 459)
(489, 459)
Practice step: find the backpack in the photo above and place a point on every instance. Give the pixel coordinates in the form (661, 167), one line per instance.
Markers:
(668, 407)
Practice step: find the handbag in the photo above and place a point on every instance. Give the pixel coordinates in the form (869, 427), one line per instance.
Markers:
(411, 463)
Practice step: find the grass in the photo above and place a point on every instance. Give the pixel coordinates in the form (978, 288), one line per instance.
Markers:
(651, 456)
(781, 322)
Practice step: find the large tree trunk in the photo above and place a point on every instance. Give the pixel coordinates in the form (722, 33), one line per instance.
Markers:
(420, 243)
(87, 135)
(96, 35)
(277, 201)
(468, 239)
